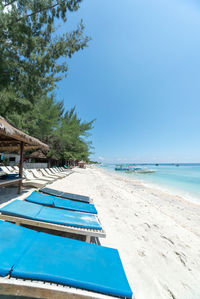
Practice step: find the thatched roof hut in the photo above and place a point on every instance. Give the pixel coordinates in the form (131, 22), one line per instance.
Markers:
(37, 155)
(82, 164)
(54, 158)
(11, 138)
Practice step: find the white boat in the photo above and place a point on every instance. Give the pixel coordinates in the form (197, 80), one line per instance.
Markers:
(145, 170)
(140, 170)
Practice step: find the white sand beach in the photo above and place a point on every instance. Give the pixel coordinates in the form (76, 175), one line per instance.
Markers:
(157, 234)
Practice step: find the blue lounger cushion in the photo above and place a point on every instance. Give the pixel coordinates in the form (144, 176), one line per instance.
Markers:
(66, 217)
(32, 255)
(33, 211)
(66, 195)
(42, 199)
(75, 263)
(13, 243)
(74, 205)
(61, 203)
(9, 176)
(21, 208)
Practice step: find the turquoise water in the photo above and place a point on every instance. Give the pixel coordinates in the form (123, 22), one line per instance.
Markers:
(183, 179)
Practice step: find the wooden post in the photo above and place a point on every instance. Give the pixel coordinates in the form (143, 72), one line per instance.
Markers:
(21, 166)
(88, 239)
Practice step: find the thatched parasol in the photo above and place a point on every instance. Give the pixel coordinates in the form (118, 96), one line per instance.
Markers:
(11, 138)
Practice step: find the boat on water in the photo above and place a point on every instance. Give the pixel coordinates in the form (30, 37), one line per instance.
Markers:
(133, 169)
(140, 170)
(123, 167)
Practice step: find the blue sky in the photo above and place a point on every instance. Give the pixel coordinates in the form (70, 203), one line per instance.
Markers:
(140, 79)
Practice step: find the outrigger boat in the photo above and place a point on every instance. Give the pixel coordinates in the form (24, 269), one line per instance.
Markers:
(123, 167)
(133, 169)
(140, 170)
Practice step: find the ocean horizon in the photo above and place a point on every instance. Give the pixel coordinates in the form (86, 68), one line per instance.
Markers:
(182, 179)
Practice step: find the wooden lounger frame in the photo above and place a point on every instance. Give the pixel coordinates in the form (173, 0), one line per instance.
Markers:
(5, 183)
(45, 290)
(88, 233)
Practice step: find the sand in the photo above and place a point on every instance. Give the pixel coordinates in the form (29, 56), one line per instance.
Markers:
(157, 233)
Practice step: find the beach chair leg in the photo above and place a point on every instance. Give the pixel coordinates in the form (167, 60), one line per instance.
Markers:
(17, 223)
(88, 239)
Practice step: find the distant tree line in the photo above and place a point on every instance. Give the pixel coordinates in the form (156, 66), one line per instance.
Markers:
(33, 58)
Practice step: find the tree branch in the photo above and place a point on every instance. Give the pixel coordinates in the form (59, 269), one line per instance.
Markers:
(5, 5)
(35, 12)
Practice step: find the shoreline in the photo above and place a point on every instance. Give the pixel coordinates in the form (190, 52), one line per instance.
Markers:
(170, 191)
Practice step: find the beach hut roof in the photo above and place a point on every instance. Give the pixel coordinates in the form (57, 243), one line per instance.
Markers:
(37, 155)
(11, 137)
(54, 158)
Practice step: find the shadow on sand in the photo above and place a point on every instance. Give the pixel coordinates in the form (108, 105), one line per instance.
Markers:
(9, 193)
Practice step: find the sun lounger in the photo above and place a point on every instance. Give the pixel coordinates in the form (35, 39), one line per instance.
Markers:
(56, 172)
(40, 265)
(68, 172)
(62, 203)
(6, 170)
(31, 181)
(16, 168)
(56, 169)
(39, 176)
(9, 182)
(11, 169)
(67, 167)
(65, 171)
(34, 183)
(46, 174)
(4, 175)
(53, 219)
(53, 173)
(30, 176)
(66, 195)
(59, 170)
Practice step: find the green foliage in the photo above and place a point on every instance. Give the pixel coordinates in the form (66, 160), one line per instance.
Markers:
(32, 60)
(68, 140)
(93, 162)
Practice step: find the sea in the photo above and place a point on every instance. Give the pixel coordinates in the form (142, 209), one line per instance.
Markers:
(181, 179)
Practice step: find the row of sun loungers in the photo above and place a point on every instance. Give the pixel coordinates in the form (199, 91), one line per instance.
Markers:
(38, 178)
(53, 213)
(82, 225)
(37, 264)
